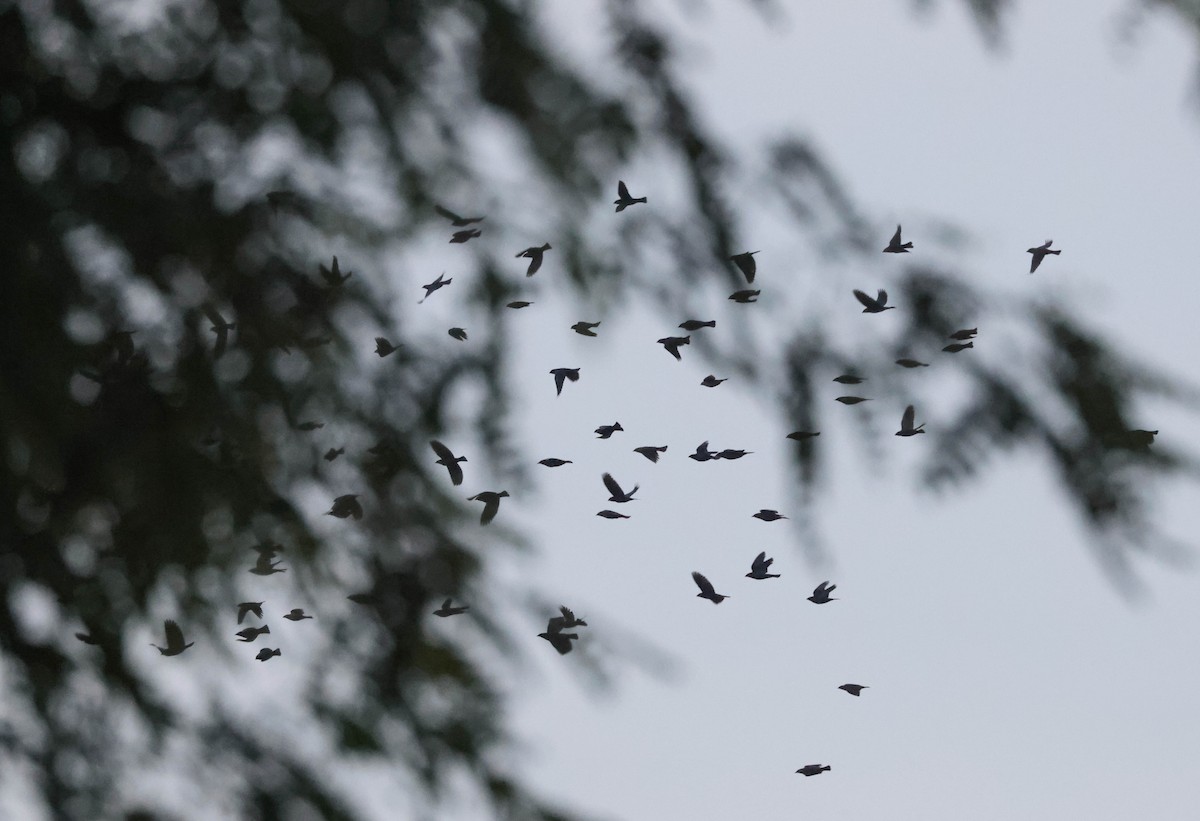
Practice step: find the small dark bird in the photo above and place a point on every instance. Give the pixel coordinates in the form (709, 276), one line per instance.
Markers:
(801, 435)
(745, 297)
(220, 327)
(650, 451)
(491, 504)
(853, 689)
(745, 263)
(906, 423)
(730, 453)
(605, 431)
(455, 219)
(559, 641)
(611, 514)
(246, 607)
(711, 381)
(458, 333)
(361, 598)
(333, 453)
(460, 237)
(447, 459)
(672, 343)
(894, 245)
(769, 515)
(383, 347)
(623, 199)
(296, 614)
(585, 328)
(566, 621)
(561, 375)
(911, 363)
(821, 594)
(706, 589)
(554, 463)
(333, 275)
(703, 454)
(534, 254)
(1039, 253)
(310, 426)
(265, 567)
(696, 324)
(346, 506)
(965, 333)
(267, 653)
(433, 286)
(251, 633)
(955, 347)
(849, 379)
(873, 306)
(446, 610)
(815, 769)
(618, 495)
(517, 304)
(852, 400)
(175, 644)
(760, 566)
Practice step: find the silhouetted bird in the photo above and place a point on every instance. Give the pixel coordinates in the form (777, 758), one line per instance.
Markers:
(745, 263)
(310, 426)
(267, 653)
(455, 219)
(175, 644)
(435, 285)
(585, 328)
(706, 589)
(730, 453)
(672, 343)
(346, 506)
(87, 638)
(815, 769)
(873, 306)
(460, 237)
(1039, 253)
(517, 304)
(965, 333)
(906, 423)
(265, 567)
(446, 610)
(554, 463)
(219, 327)
(760, 566)
(955, 347)
(618, 495)
(853, 689)
(711, 381)
(769, 515)
(383, 347)
(611, 514)
(251, 633)
(745, 297)
(458, 333)
(606, 431)
(333, 275)
(246, 607)
(333, 453)
(296, 614)
(894, 245)
(491, 504)
(851, 400)
(801, 435)
(911, 363)
(447, 459)
(821, 593)
(562, 375)
(623, 199)
(849, 379)
(696, 324)
(703, 454)
(650, 451)
(534, 254)
(559, 641)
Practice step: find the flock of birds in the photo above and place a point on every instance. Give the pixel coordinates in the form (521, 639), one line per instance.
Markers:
(561, 629)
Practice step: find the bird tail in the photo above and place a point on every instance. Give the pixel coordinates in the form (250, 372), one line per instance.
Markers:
(617, 426)
(712, 323)
(580, 623)
(639, 199)
(906, 245)
(276, 652)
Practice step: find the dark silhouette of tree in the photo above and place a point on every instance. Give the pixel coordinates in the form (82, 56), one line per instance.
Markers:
(174, 364)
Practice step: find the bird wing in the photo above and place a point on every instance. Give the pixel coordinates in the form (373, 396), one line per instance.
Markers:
(622, 191)
(567, 613)
(760, 563)
(881, 298)
(559, 377)
(704, 584)
(611, 484)
(896, 237)
(491, 507)
(864, 299)
(1036, 261)
(446, 604)
(174, 634)
(906, 421)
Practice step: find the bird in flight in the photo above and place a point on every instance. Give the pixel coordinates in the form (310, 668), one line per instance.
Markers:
(745, 297)
(623, 199)
(769, 515)
(458, 333)
(1039, 253)
(911, 363)
(894, 245)
(955, 347)
(813, 769)
(534, 254)
(310, 426)
(672, 343)
(220, 327)
(554, 463)
(435, 285)
(696, 324)
(851, 400)
(247, 607)
(296, 614)
(175, 644)
(251, 633)
(267, 652)
(558, 640)
(873, 306)
(517, 304)
(585, 328)
(333, 275)
(849, 379)
(618, 495)
(906, 423)
(446, 610)
(265, 567)
(706, 589)
(801, 435)
(561, 375)
(730, 453)
(650, 451)
(745, 263)
(853, 689)
(384, 347)
(760, 566)
(606, 431)
(333, 453)
(491, 504)
(346, 506)
(965, 333)
(821, 593)
(611, 514)
(703, 454)
(459, 237)
(711, 381)
(455, 219)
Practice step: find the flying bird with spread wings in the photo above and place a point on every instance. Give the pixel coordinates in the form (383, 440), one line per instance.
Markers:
(175, 644)
(1039, 253)
(447, 459)
(623, 199)
(707, 591)
(895, 246)
(618, 495)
